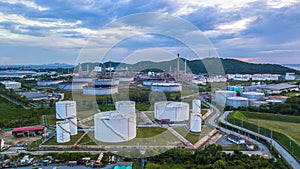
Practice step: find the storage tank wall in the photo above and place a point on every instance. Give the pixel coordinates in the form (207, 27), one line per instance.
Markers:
(63, 132)
(196, 106)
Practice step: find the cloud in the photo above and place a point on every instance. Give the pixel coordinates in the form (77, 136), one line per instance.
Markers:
(249, 59)
(27, 3)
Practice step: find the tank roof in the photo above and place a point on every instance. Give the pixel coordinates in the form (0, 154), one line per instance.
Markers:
(237, 98)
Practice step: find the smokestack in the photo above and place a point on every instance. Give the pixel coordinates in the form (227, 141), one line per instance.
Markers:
(185, 67)
(178, 62)
(110, 69)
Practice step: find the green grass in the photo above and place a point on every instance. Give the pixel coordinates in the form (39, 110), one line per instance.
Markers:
(52, 141)
(86, 140)
(286, 129)
(193, 137)
(234, 147)
(149, 132)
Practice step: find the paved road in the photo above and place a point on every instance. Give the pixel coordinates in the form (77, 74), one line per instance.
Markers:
(180, 137)
(284, 153)
(212, 122)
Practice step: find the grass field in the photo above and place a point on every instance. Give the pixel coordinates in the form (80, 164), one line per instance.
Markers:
(74, 138)
(193, 137)
(286, 129)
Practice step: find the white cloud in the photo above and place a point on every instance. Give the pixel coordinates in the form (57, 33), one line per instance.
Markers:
(281, 3)
(186, 7)
(39, 22)
(230, 28)
(27, 3)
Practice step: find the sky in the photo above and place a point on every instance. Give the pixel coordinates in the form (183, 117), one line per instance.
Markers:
(65, 31)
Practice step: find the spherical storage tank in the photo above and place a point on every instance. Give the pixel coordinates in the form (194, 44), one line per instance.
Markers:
(125, 106)
(221, 96)
(63, 132)
(114, 126)
(196, 106)
(253, 95)
(175, 111)
(195, 122)
(73, 125)
(166, 87)
(237, 101)
(65, 109)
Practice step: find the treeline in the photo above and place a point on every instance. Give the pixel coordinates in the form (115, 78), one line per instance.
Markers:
(211, 157)
(290, 107)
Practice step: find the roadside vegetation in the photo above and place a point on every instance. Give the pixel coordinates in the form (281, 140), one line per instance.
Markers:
(211, 157)
(284, 128)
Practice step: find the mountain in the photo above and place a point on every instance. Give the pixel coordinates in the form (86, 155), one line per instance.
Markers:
(213, 65)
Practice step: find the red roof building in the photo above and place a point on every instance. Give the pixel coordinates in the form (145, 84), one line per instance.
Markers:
(29, 129)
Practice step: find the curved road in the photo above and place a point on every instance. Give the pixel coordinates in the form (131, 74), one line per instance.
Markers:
(284, 153)
(212, 122)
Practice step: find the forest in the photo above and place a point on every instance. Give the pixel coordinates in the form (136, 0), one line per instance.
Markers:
(211, 157)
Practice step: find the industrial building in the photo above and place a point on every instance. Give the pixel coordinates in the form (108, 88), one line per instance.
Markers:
(278, 88)
(290, 76)
(237, 101)
(221, 95)
(166, 87)
(174, 111)
(114, 126)
(11, 85)
(30, 130)
(235, 139)
(34, 95)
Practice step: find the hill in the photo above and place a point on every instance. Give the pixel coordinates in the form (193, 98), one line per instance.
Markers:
(230, 66)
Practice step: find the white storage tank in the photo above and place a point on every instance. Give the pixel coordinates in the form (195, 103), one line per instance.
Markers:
(125, 106)
(65, 109)
(113, 126)
(166, 87)
(106, 82)
(196, 106)
(195, 122)
(63, 132)
(237, 101)
(253, 95)
(73, 125)
(175, 111)
(68, 86)
(93, 91)
(221, 95)
(274, 101)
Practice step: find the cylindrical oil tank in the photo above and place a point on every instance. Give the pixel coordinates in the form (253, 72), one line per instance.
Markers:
(67, 86)
(91, 90)
(73, 125)
(175, 111)
(195, 122)
(196, 106)
(274, 101)
(221, 95)
(125, 106)
(125, 79)
(237, 101)
(63, 132)
(106, 82)
(258, 103)
(166, 87)
(113, 126)
(253, 95)
(65, 109)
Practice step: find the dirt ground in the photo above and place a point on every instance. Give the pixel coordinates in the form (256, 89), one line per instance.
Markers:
(9, 139)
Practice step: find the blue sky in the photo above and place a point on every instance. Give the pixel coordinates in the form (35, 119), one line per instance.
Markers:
(41, 32)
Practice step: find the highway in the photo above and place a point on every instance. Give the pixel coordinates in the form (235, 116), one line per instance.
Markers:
(212, 122)
(284, 153)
